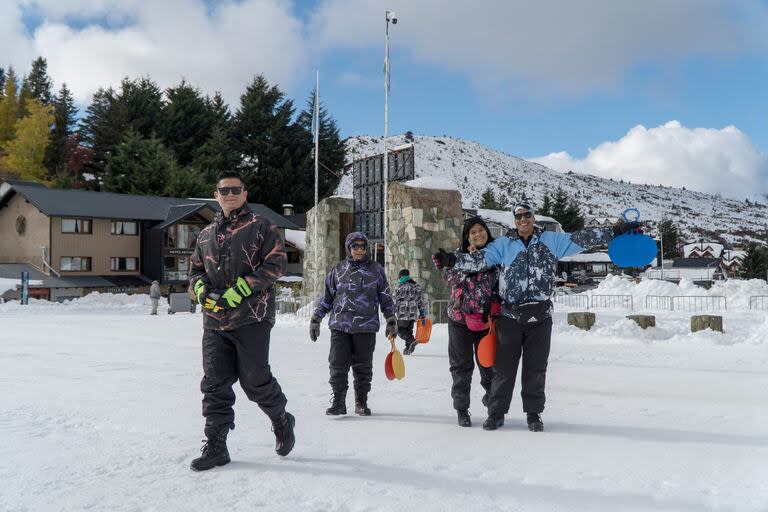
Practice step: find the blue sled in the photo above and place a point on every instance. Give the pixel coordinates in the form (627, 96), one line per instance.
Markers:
(632, 249)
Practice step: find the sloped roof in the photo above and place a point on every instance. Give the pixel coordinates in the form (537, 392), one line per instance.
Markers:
(695, 262)
(108, 205)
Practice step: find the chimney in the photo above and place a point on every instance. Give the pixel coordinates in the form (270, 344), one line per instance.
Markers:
(287, 209)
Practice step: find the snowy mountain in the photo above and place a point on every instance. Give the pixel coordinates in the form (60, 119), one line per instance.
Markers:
(474, 167)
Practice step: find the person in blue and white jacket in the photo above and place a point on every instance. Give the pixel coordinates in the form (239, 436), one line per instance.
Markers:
(527, 261)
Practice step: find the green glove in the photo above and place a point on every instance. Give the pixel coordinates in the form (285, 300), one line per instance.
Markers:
(205, 299)
(232, 298)
(234, 295)
(242, 287)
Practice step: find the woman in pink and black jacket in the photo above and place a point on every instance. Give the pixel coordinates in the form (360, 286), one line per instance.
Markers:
(472, 303)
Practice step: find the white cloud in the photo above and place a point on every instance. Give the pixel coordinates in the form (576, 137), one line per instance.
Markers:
(221, 49)
(558, 45)
(709, 160)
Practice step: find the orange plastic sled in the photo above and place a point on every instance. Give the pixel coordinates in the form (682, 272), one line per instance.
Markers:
(394, 366)
(486, 350)
(423, 330)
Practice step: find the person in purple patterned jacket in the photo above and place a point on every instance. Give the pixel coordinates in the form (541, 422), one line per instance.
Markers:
(355, 289)
(473, 299)
(237, 259)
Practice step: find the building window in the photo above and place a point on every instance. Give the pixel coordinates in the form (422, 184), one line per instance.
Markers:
(293, 256)
(75, 263)
(76, 225)
(175, 268)
(125, 227)
(123, 264)
(182, 236)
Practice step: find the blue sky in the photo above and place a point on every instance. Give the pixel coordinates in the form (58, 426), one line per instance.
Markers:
(565, 83)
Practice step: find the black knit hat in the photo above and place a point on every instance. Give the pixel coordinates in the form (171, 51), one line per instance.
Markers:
(404, 272)
(465, 232)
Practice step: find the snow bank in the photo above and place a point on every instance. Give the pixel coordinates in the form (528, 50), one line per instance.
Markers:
(736, 291)
(93, 302)
(7, 284)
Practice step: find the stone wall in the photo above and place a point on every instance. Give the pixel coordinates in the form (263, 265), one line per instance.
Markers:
(420, 221)
(328, 217)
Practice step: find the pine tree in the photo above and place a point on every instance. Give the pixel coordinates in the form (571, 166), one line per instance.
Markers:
(139, 166)
(9, 109)
(488, 201)
(573, 221)
(219, 111)
(188, 182)
(546, 205)
(560, 205)
(755, 262)
(217, 154)
(187, 121)
(101, 130)
(331, 158)
(26, 151)
(64, 112)
(2, 82)
(671, 239)
(37, 84)
(271, 147)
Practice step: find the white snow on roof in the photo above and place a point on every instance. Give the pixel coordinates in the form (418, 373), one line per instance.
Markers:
(297, 238)
(432, 182)
(715, 248)
(597, 257)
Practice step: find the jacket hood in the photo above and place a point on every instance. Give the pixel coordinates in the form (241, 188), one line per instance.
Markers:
(465, 232)
(355, 235)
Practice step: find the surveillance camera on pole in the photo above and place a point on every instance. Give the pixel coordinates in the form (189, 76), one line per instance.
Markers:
(391, 16)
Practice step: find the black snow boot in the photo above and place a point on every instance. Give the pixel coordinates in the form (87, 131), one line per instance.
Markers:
(361, 404)
(215, 452)
(409, 348)
(534, 422)
(338, 404)
(282, 426)
(464, 420)
(493, 422)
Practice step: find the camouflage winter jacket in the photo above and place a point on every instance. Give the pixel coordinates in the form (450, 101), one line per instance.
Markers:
(354, 291)
(409, 304)
(243, 245)
(527, 273)
(471, 293)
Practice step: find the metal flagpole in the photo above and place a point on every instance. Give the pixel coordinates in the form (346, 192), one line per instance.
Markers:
(316, 116)
(386, 119)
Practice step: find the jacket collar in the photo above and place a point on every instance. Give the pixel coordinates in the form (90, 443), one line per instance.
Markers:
(514, 235)
(234, 214)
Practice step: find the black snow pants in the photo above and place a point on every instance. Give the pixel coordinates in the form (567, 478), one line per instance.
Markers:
(353, 350)
(405, 331)
(462, 354)
(533, 343)
(241, 354)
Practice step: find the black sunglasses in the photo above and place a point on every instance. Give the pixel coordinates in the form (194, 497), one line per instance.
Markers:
(225, 191)
(358, 246)
(527, 215)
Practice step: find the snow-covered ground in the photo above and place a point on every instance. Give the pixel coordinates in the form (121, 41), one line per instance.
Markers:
(100, 410)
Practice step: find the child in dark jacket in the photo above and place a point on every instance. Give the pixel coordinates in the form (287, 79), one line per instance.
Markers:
(409, 307)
